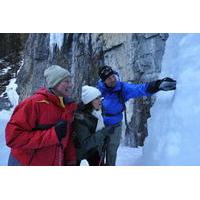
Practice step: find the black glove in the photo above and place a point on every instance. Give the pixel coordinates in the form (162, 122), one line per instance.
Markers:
(61, 129)
(165, 84)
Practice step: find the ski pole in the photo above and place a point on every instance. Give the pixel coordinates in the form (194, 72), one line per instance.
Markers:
(103, 150)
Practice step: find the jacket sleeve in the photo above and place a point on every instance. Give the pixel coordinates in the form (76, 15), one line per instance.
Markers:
(135, 90)
(88, 140)
(19, 130)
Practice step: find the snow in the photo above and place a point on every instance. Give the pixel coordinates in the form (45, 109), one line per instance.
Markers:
(4, 150)
(56, 39)
(11, 92)
(126, 156)
(4, 118)
(4, 71)
(174, 124)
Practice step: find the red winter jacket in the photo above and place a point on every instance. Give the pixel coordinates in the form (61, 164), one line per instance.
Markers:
(31, 145)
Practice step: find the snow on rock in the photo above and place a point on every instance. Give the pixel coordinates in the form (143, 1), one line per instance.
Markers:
(5, 70)
(4, 118)
(11, 92)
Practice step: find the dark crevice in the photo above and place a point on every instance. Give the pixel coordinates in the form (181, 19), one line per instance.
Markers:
(113, 48)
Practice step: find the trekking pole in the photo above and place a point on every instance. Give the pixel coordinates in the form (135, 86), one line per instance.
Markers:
(103, 150)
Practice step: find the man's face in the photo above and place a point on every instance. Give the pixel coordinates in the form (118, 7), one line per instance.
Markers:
(111, 81)
(64, 88)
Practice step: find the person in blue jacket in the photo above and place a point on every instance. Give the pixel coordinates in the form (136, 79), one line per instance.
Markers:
(115, 93)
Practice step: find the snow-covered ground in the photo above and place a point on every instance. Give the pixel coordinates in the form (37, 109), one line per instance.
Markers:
(126, 156)
(4, 151)
(174, 124)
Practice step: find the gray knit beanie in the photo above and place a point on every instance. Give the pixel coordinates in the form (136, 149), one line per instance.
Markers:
(54, 74)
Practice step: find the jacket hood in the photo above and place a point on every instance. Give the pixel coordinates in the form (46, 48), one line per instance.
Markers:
(45, 92)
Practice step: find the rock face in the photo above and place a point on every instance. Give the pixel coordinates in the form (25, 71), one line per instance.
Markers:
(11, 58)
(137, 58)
(36, 54)
(11, 43)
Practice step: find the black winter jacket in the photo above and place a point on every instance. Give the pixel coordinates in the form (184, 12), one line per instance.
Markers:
(86, 140)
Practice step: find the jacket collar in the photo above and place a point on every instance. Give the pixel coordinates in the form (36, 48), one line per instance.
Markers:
(49, 96)
(117, 87)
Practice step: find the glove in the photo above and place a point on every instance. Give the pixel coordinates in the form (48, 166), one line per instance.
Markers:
(61, 129)
(167, 84)
(164, 84)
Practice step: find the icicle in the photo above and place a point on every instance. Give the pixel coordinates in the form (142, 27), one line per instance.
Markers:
(56, 39)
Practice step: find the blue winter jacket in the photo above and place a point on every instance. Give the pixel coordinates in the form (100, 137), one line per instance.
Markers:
(112, 105)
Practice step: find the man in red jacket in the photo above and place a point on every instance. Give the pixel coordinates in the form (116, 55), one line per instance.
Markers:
(40, 130)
